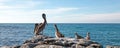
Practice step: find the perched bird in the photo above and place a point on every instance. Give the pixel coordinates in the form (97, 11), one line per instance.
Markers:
(88, 36)
(36, 29)
(40, 27)
(78, 36)
(36, 24)
(57, 33)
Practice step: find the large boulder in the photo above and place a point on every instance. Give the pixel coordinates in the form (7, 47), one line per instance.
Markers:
(37, 38)
(85, 42)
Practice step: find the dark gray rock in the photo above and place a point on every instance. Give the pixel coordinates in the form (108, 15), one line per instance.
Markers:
(29, 45)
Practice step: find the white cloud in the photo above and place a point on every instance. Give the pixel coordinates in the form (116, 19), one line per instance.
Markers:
(29, 16)
(19, 4)
(110, 17)
(2, 2)
(90, 18)
(54, 11)
(28, 3)
(33, 16)
(5, 0)
(21, 11)
(17, 12)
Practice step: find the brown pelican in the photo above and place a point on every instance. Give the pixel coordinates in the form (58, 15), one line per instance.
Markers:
(35, 29)
(78, 36)
(57, 33)
(36, 24)
(39, 27)
(88, 36)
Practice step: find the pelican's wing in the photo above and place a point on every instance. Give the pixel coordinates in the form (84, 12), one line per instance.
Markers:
(78, 36)
(36, 25)
(58, 35)
(41, 27)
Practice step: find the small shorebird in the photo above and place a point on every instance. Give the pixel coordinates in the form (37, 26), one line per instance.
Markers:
(78, 36)
(88, 36)
(57, 33)
(40, 27)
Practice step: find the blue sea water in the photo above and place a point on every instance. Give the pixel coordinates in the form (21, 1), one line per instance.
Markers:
(17, 33)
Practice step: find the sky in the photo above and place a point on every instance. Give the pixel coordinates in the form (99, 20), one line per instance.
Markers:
(60, 11)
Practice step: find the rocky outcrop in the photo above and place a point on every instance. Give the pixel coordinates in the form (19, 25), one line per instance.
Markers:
(42, 41)
(50, 42)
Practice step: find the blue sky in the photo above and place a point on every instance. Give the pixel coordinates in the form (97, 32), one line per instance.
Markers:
(60, 11)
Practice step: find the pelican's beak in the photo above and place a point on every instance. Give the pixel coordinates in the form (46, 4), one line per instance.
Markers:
(44, 16)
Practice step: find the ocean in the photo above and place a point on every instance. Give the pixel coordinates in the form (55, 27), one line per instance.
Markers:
(104, 33)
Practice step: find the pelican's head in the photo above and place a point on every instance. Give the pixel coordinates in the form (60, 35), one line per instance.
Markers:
(88, 33)
(55, 25)
(36, 24)
(44, 16)
(75, 33)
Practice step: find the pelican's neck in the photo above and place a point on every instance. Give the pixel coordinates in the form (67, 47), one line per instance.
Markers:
(76, 34)
(88, 36)
(56, 28)
(45, 21)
